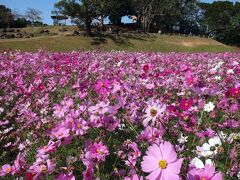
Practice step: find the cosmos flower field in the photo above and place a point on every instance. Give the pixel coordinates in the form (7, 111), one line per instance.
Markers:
(118, 115)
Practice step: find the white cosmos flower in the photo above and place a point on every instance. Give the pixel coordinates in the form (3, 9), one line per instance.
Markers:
(238, 175)
(121, 126)
(217, 78)
(182, 139)
(209, 107)
(153, 111)
(181, 94)
(199, 164)
(230, 71)
(210, 148)
(1, 110)
(209, 162)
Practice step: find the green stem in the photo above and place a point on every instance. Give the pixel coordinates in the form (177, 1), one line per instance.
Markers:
(194, 138)
(129, 122)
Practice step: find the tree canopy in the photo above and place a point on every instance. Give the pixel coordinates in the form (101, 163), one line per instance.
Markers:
(6, 16)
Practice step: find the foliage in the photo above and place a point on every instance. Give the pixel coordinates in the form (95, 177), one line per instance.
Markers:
(222, 20)
(5, 16)
(80, 11)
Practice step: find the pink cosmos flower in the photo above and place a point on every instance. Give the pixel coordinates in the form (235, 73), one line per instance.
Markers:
(64, 176)
(162, 162)
(134, 177)
(60, 133)
(59, 111)
(6, 169)
(51, 147)
(99, 151)
(233, 124)
(110, 123)
(88, 174)
(103, 87)
(190, 78)
(41, 167)
(132, 154)
(185, 104)
(207, 173)
(153, 112)
(80, 127)
(19, 163)
(67, 102)
(94, 153)
(152, 134)
(100, 108)
(207, 133)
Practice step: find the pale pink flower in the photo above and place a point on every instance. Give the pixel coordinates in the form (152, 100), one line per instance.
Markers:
(6, 169)
(80, 127)
(59, 111)
(64, 176)
(153, 111)
(162, 162)
(207, 173)
(60, 133)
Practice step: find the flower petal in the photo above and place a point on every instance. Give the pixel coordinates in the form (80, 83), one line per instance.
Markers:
(154, 151)
(197, 163)
(149, 164)
(217, 176)
(206, 147)
(175, 167)
(155, 175)
(168, 152)
(167, 174)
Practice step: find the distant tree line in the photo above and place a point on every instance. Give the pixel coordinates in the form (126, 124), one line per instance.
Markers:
(9, 18)
(220, 20)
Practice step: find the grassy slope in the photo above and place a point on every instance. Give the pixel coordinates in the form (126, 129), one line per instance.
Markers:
(162, 43)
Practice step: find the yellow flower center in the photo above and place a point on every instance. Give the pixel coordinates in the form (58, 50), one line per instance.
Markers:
(43, 168)
(79, 126)
(99, 151)
(153, 112)
(8, 170)
(59, 133)
(203, 178)
(162, 164)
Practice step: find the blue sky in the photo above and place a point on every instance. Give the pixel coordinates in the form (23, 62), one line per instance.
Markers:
(46, 6)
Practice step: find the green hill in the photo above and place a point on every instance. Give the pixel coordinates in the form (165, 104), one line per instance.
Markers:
(64, 41)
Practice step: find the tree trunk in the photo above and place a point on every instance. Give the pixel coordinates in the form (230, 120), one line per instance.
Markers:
(88, 20)
(88, 27)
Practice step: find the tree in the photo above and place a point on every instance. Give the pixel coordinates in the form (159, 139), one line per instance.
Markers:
(6, 16)
(116, 9)
(82, 11)
(166, 14)
(221, 19)
(33, 15)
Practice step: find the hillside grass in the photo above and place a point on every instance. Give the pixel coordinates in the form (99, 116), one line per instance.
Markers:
(128, 42)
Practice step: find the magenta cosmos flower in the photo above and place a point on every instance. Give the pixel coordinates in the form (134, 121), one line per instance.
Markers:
(234, 92)
(161, 162)
(103, 87)
(185, 104)
(207, 173)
